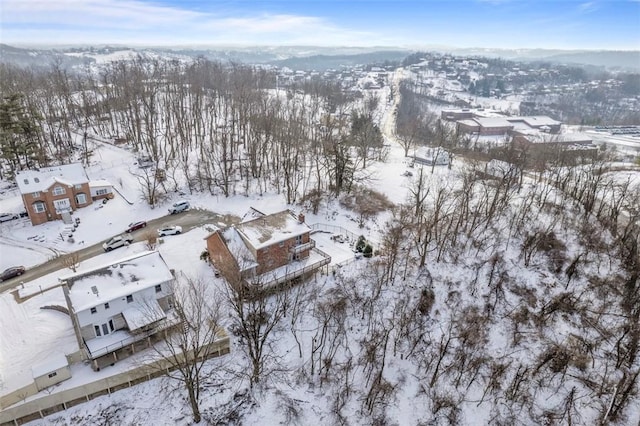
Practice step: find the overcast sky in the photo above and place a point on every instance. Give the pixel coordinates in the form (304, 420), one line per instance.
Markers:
(563, 24)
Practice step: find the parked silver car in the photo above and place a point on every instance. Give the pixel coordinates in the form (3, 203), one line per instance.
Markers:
(178, 207)
(117, 241)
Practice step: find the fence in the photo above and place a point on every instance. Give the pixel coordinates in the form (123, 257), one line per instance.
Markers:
(335, 230)
(59, 401)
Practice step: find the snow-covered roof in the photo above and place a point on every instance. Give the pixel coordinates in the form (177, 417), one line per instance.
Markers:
(236, 245)
(563, 138)
(251, 214)
(539, 120)
(38, 180)
(54, 362)
(127, 276)
(493, 122)
(271, 229)
(99, 183)
(138, 315)
(468, 122)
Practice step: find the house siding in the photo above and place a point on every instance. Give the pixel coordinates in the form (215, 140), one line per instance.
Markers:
(48, 199)
(44, 381)
(279, 254)
(220, 256)
(86, 320)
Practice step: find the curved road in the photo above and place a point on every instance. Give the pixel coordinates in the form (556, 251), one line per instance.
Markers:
(188, 220)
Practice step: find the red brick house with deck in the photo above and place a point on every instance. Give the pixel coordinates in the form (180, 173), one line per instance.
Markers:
(266, 249)
(48, 193)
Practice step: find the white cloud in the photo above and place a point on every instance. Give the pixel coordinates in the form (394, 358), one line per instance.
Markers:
(137, 22)
(587, 7)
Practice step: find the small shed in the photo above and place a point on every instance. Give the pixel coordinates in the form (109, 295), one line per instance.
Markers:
(54, 370)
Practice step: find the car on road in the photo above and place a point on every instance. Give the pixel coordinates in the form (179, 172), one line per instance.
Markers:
(169, 230)
(136, 225)
(14, 271)
(117, 241)
(5, 217)
(178, 207)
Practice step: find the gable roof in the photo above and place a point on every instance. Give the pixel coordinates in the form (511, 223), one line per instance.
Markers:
(238, 248)
(126, 276)
(271, 229)
(38, 180)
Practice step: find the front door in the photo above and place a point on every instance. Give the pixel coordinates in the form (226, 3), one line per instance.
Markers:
(63, 205)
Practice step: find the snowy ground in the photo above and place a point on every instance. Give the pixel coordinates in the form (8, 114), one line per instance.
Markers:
(141, 404)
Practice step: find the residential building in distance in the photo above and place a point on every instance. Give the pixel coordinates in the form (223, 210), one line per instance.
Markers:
(53, 193)
(265, 250)
(486, 123)
(116, 309)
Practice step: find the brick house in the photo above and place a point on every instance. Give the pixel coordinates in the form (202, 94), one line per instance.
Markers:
(49, 193)
(266, 249)
(116, 309)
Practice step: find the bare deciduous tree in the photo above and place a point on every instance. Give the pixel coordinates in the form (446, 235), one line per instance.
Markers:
(71, 261)
(184, 349)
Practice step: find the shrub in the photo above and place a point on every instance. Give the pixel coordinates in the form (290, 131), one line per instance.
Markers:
(360, 244)
(368, 251)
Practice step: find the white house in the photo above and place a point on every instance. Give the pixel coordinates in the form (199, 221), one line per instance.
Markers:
(114, 306)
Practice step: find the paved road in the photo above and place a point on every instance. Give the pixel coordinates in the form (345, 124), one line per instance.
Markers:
(188, 220)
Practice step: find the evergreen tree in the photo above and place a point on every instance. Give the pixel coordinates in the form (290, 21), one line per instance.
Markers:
(18, 133)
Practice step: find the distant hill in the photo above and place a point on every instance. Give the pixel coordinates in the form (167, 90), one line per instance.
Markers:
(324, 62)
(38, 57)
(611, 59)
(308, 57)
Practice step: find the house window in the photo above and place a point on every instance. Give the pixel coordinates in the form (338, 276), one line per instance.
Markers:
(106, 305)
(58, 190)
(97, 330)
(54, 374)
(81, 198)
(111, 325)
(35, 194)
(94, 310)
(298, 240)
(39, 207)
(102, 191)
(105, 329)
(129, 298)
(158, 288)
(281, 244)
(78, 186)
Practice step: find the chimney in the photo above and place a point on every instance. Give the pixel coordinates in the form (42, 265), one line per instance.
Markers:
(301, 217)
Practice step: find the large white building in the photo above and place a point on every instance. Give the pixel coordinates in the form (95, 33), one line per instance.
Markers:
(114, 306)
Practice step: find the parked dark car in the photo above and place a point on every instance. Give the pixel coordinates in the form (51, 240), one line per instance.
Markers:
(14, 271)
(136, 225)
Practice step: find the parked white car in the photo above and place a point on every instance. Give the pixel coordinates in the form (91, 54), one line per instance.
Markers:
(169, 230)
(117, 241)
(178, 207)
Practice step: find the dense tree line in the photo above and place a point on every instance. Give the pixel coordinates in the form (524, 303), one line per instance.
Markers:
(217, 128)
